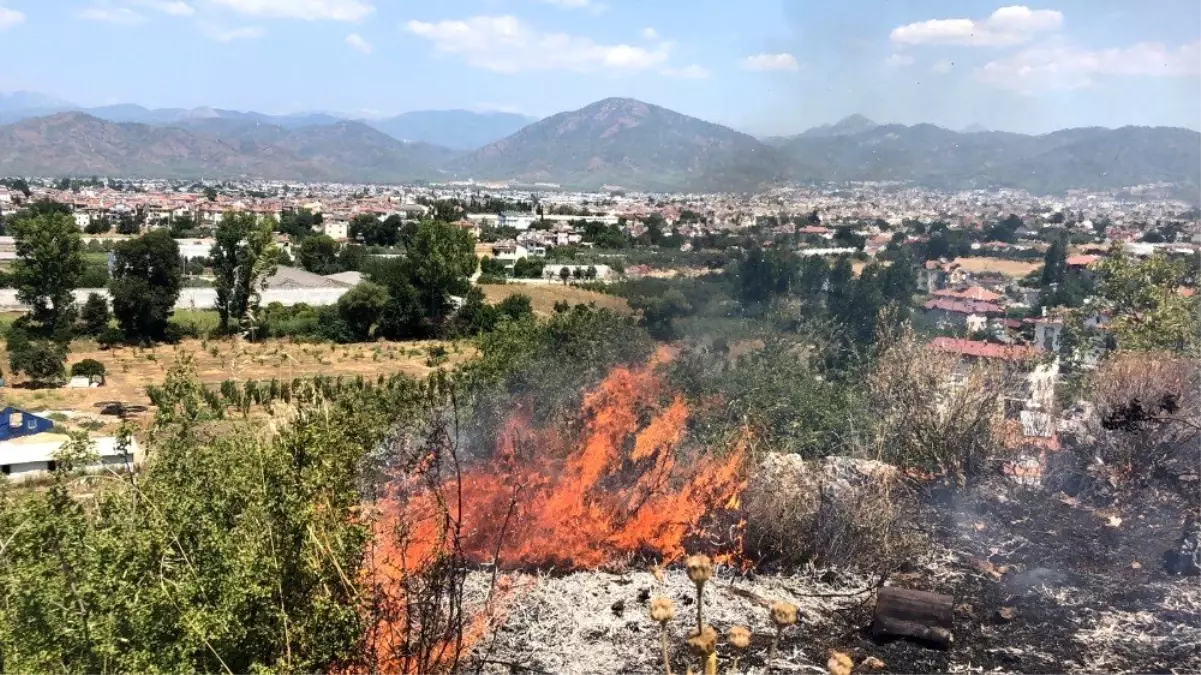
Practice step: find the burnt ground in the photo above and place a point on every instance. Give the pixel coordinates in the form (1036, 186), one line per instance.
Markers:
(1084, 586)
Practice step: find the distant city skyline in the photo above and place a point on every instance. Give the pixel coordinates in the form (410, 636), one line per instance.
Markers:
(767, 67)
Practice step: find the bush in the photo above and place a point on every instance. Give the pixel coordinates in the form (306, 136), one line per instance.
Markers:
(40, 359)
(837, 511)
(516, 306)
(110, 337)
(88, 368)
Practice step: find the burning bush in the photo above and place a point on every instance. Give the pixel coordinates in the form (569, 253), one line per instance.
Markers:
(837, 511)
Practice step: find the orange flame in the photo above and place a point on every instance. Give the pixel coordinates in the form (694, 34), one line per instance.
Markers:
(620, 487)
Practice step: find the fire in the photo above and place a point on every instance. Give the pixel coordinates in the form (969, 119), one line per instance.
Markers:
(617, 487)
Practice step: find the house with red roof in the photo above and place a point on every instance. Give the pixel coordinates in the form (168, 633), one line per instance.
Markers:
(971, 315)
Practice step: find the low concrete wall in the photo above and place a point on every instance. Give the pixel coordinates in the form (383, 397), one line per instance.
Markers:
(202, 298)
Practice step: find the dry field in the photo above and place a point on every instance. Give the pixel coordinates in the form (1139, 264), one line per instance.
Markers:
(1013, 268)
(130, 369)
(544, 296)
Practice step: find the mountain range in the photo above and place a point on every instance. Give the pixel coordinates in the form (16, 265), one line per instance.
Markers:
(457, 129)
(616, 141)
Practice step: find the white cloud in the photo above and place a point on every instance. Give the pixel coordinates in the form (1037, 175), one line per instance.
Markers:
(357, 43)
(898, 60)
(1006, 26)
(171, 7)
(650, 33)
(690, 72)
(309, 10)
(1069, 67)
(943, 67)
(122, 16)
(504, 44)
(592, 5)
(773, 62)
(231, 34)
(9, 17)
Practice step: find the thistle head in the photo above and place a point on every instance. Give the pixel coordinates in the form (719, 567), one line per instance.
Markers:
(839, 664)
(662, 610)
(783, 614)
(740, 637)
(700, 569)
(703, 643)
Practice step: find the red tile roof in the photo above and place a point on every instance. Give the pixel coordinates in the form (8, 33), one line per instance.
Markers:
(1082, 260)
(983, 350)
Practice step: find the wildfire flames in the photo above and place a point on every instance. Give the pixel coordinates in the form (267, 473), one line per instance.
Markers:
(616, 488)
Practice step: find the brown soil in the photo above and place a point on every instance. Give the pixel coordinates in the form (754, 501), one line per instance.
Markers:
(1013, 268)
(544, 296)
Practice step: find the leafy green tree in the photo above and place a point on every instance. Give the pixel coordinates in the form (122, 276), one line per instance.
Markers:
(361, 308)
(659, 312)
(50, 263)
(564, 274)
(298, 225)
(1055, 263)
(319, 255)
(98, 225)
(811, 278)
(765, 274)
(351, 258)
(210, 193)
(527, 268)
(95, 314)
(146, 279)
(1148, 309)
(89, 368)
(516, 307)
(243, 257)
(38, 358)
(476, 315)
(372, 231)
(438, 264)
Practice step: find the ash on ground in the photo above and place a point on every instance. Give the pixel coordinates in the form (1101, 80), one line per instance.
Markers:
(1042, 584)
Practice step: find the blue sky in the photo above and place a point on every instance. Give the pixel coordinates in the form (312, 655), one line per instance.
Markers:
(765, 66)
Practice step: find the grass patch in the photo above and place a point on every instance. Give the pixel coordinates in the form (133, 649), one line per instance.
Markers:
(202, 323)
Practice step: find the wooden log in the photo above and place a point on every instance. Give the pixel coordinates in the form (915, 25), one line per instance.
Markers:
(924, 616)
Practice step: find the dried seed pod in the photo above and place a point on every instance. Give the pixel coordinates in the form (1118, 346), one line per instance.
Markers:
(783, 614)
(839, 664)
(662, 610)
(740, 637)
(703, 642)
(700, 569)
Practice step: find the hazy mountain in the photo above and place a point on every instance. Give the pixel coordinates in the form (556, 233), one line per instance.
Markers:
(1093, 158)
(612, 142)
(31, 100)
(460, 129)
(853, 124)
(973, 129)
(625, 142)
(75, 143)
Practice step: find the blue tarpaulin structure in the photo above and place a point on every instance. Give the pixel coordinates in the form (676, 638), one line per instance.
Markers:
(15, 423)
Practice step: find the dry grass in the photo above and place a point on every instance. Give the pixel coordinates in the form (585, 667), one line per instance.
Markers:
(1012, 268)
(131, 369)
(544, 296)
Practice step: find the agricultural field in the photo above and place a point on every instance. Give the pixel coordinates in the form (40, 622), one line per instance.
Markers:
(132, 369)
(544, 296)
(1012, 268)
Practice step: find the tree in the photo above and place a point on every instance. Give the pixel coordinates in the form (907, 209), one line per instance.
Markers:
(95, 314)
(39, 358)
(49, 265)
(244, 256)
(128, 226)
(98, 225)
(147, 276)
(210, 193)
(1055, 263)
(361, 307)
(319, 255)
(89, 368)
(298, 224)
(476, 315)
(1148, 310)
(527, 268)
(516, 307)
(372, 231)
(438, 263)
(564, 274)
(812, 277)
(762, 275)
(659, 312)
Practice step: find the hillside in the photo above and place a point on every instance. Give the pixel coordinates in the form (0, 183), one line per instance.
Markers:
(628, 143)
(458, 129)
(75, 143)
(1091, 158)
